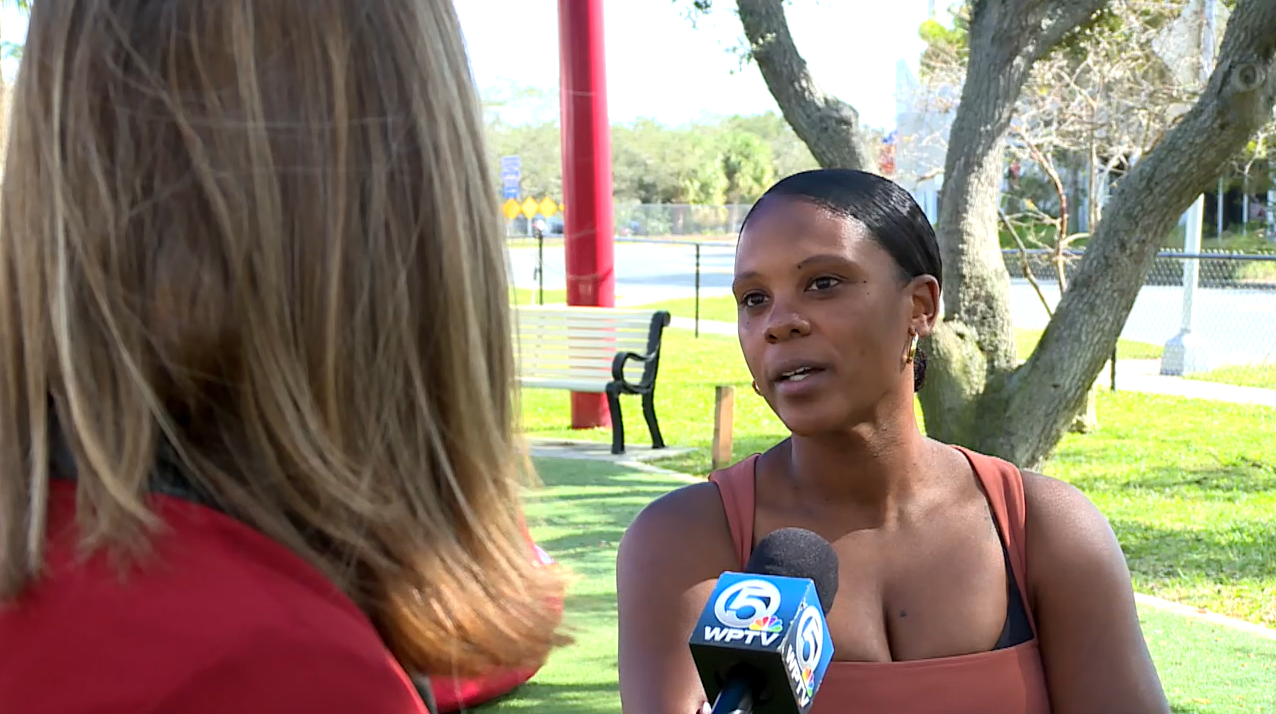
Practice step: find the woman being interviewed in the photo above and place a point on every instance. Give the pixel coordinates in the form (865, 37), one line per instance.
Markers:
(256, 384)
(965, 584)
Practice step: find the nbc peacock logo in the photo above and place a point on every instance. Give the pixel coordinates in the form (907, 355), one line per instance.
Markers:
(808, 679)
(767, 623)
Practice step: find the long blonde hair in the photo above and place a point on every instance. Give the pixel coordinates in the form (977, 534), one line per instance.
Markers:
(262, 235)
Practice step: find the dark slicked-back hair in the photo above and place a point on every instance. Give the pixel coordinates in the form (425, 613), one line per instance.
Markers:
(889, 213)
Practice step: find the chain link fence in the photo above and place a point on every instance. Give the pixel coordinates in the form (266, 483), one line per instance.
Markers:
(1233, 305)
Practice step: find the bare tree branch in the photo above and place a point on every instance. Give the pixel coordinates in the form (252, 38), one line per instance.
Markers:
(1027, 267)
(1062, 18)
(1061, 223)
(829, 127)
(1050, 387)
(1006, 38)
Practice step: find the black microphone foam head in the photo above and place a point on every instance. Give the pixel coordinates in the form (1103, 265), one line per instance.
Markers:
(798, 553)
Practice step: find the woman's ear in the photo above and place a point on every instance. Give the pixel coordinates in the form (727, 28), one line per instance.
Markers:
(925, 294)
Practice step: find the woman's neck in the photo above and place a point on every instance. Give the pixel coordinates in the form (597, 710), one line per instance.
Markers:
(872, 467)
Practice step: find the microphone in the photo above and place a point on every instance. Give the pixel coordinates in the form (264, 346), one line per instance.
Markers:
(762, 645)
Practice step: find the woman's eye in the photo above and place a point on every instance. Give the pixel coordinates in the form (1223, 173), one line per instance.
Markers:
(824, 283)
(751, 300)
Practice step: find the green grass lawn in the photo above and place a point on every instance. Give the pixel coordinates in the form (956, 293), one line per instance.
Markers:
(584, 507)
(1026, 341)
(1189, 485)
(527, 296)
(723, 309)
(1245, 375)
(578, 517)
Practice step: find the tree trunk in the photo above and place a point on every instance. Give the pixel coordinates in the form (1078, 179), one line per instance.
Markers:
(1049, 388)
(974, 393)
(973, 349)
(829, 127)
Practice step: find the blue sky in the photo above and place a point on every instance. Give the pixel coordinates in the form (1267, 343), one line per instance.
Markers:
(660, 66)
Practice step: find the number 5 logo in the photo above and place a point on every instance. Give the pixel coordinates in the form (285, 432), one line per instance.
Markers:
(745, 602)
(810, 630)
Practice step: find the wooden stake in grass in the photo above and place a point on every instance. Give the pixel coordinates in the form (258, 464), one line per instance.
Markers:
(723, 425)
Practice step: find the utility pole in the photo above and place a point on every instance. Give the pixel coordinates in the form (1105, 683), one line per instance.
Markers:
(1187, 351)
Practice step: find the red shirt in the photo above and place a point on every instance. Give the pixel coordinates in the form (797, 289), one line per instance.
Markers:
(220, 619)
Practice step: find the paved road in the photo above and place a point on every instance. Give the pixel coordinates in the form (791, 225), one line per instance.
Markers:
(1239, 325)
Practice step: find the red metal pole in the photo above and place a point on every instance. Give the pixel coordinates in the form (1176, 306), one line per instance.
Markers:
(586, 132)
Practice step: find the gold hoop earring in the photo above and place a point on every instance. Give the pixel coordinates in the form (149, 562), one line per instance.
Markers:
(912, 348)
(755, 388)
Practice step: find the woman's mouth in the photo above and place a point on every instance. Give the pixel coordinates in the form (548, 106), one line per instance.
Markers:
(797, 375)
(792, 378)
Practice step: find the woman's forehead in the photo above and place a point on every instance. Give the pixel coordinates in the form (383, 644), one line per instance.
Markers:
(787, 228)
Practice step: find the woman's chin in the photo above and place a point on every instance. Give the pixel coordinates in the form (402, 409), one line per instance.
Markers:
(808, 421)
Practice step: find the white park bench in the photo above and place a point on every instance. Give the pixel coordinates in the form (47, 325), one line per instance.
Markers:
(596, 350)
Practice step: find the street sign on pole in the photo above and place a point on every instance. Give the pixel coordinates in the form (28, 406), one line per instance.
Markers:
(530, 207)
(1196, 31)
(511, 208)
(511, 176)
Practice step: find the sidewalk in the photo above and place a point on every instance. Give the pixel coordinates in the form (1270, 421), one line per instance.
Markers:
(1144, 375)
(1133, 375)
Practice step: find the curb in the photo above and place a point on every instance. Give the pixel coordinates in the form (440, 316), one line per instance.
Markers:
(641, 466)
(1206, 615)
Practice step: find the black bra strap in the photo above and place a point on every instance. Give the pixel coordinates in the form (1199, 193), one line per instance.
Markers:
(1017, 629)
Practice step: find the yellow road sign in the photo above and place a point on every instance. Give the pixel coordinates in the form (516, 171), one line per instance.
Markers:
(548, 207)
(529, 207)
(510, 209)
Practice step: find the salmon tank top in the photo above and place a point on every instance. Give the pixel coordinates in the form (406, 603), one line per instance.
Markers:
(1008, 679)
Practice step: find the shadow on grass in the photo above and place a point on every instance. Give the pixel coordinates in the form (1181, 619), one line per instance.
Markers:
(578, 516)
(584, 507)
(588, 605)
(557, 698)
(1239, 475)
(1219, 555)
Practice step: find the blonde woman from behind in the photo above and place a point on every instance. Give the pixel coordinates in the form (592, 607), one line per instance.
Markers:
(256, 385)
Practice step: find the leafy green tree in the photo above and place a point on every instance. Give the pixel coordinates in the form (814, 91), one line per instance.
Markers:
(746, 166)
(789, 154)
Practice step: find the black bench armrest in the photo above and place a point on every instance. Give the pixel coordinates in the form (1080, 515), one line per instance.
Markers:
(651, 360)
(618, 370)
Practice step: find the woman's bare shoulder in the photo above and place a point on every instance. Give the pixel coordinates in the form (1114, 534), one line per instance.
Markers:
(1056, 508)
(669, 559)
(690, 520)
(1092, 646)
